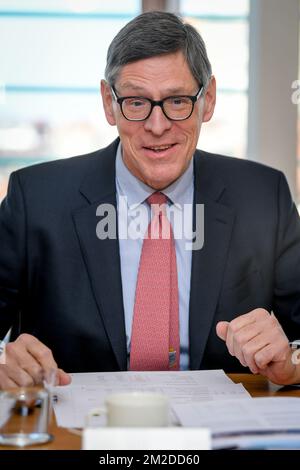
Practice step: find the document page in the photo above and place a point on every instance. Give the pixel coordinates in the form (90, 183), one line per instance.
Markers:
(202, 377)
(89, 390)
(239, 416)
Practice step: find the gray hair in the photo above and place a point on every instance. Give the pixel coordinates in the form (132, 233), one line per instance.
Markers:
(156, 33)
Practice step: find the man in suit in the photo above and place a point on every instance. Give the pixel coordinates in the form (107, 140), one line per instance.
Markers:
(70, 293)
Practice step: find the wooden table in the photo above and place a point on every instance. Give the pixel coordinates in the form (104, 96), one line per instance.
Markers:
(257, 386)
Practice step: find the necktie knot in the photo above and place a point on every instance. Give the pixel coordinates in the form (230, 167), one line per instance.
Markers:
(157, 201)
(157, 198)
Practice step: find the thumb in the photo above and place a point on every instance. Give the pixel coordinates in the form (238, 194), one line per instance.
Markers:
(63, 377)
(221, 329)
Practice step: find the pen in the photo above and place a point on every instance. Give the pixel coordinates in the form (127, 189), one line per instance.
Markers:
(5, 340)
(3, 343)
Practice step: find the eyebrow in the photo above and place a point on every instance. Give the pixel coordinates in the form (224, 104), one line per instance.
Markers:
(168, 92)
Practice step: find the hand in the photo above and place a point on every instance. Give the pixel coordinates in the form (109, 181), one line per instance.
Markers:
(26, 359)
(259, 342)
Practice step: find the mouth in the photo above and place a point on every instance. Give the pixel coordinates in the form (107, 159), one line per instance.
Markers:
(160, 149)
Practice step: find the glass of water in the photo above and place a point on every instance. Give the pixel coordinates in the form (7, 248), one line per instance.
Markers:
(24, 416)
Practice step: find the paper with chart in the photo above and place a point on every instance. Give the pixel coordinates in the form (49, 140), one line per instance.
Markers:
(89, 390)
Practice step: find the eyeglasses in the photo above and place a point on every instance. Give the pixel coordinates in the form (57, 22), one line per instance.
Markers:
(175, 108)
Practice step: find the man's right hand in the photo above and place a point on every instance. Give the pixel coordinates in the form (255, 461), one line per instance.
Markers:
(26, 361)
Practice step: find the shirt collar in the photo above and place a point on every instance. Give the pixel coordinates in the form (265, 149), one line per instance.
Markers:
(137, 192)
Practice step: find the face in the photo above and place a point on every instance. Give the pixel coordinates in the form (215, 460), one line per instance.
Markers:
(157, 150)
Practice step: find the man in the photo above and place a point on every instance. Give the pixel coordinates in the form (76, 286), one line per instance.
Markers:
(72, 295)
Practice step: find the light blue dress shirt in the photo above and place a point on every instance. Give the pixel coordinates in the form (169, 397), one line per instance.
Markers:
(181, 193)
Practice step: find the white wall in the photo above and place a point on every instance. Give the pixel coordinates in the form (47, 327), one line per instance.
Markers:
(272, 118)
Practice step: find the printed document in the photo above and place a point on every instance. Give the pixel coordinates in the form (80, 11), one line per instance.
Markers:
(89, 390)
(239, 416)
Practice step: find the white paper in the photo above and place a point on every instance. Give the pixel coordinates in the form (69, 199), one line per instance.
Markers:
(203, 377)
(89, 391)
(259, 415)
(145, 439)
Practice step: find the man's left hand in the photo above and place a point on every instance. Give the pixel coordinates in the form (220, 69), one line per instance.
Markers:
(258, 341)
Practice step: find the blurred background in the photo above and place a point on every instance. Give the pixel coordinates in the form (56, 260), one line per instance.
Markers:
(52, 58)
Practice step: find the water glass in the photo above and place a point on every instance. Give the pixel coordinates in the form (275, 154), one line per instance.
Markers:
(24, 416)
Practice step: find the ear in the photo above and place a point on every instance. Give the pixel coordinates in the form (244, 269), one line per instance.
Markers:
(108, 103)
(209, 100)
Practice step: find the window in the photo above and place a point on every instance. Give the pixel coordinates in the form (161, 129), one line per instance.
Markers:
(224, 28)
(52, 57)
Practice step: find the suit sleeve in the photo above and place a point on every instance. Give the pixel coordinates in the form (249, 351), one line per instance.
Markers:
(287, 263)
(12, 255)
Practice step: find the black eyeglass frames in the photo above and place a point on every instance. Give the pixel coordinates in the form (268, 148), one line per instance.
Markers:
(139, 108)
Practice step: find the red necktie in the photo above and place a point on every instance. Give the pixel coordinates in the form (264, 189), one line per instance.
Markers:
(155, 343)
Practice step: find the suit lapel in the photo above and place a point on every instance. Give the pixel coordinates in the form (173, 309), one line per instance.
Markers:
(102, 256)
(209, 262)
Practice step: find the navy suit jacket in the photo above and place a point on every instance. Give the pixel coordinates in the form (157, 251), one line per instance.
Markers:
(62, 284)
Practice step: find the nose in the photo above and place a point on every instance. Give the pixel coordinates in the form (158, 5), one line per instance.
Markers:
(157, 122)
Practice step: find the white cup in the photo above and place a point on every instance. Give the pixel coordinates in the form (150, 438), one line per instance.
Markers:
(133, 409)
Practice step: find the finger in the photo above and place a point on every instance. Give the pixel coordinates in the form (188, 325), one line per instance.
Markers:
(221, 329)
(278, 349)
(39, 351)
(5, 381)
(250, 317)
(273, 352)
(234, 327)
(18, 358)
(63, 377)
(255, 336)
(18, 376)
(251, 348)
(271, 344)
(255, 319)
(31, 366)
(240, 340)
